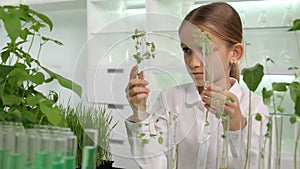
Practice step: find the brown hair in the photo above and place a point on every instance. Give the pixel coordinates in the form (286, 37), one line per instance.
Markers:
(223, 21)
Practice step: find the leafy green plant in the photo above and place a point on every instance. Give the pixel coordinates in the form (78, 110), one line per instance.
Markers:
(252, 77)
(90, 116)
(143, 48)
(21, 73)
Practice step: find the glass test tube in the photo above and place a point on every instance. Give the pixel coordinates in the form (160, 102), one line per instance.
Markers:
(17, 141)
(90, 140)
(70, 161)
(4, 147)
(43, 159)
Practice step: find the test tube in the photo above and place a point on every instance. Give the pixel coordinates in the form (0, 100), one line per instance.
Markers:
(17, 140)
(4, 147)
(90, 140)
(32, 142)
(43, 159)
(70, 161)
(59, 151)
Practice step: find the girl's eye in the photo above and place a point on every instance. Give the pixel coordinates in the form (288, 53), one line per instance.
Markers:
(186, 49)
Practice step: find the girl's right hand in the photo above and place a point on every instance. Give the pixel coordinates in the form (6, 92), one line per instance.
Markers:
(137, 92)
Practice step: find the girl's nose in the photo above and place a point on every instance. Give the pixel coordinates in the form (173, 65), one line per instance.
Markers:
(195, 60)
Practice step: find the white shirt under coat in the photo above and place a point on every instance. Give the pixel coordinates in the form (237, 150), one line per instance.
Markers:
(196, 147)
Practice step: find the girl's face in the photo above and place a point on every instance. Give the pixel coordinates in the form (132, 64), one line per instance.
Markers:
(221, 59)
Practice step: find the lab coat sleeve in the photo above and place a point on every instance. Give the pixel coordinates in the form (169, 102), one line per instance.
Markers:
(238, 139)
(148, 138)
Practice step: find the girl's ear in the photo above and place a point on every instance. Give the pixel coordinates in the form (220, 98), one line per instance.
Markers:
(237, 53)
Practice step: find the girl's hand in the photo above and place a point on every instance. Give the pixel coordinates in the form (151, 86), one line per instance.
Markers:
(136, 92)
(217, 100)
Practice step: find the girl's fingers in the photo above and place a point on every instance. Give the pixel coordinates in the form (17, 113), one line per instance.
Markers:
(138, 90)
(133, 72)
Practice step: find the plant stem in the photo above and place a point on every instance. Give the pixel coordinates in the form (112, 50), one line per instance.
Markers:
(296, 148)
(248, 134)
(31, 43)
(276, 132)
(223, 150)
(297, 41)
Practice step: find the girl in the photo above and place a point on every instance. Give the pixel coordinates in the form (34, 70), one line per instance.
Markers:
(177, 131)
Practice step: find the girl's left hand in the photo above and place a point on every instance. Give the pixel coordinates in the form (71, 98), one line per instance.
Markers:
(217, 100)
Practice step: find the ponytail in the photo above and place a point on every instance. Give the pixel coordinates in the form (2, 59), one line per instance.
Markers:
(235, 71)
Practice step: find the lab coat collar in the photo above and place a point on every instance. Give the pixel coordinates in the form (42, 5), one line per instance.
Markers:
(194, 97)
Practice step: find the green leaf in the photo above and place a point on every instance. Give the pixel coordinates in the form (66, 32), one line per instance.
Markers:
(258, 117)
(10, 99)
(142, 135)
(152, 47)
(266, 94)
(145, 141)
(52, 40)
(12, 24)
(37, 78)
(5, 55)
(5, 70)
(294, 90)
(153, 135)
(293, 119)
(36, 99)
(2, 12)
(43, 18)
(293, 68)
(280, 87)
(252, 76)
(65, 82)
(296, 25)
(160, 140)
(17, 76)
(297, 106)
(52, 113)
(147, 55)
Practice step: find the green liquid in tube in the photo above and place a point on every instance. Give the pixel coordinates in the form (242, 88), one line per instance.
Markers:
(43, 160)
(16, 161)
(4, 154)
(89, 158)
(70, 162)
(58, 165)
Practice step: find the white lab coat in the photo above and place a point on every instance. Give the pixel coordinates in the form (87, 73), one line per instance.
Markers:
(181, 106)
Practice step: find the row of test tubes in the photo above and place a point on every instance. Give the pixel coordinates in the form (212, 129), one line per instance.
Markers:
(43, 147)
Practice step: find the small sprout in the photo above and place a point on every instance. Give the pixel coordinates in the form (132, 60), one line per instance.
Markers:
(268, 59)
(293, 119)
(144, 142)
(230, 99)
(142, 135)
(280, 109)
(144, 49)
(160, 140)
(161, 133)
(293, 68)
(153, 135)
(258, 117)
(219, 114)
(223, 136)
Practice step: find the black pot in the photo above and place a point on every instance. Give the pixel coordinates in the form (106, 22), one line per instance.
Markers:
(106, 165)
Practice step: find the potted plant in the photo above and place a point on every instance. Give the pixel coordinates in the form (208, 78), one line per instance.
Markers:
(21, 72)
(90, 116)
